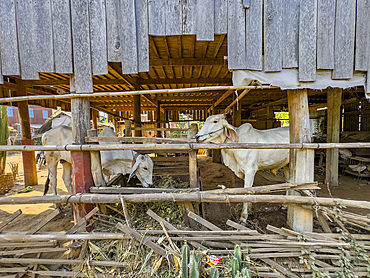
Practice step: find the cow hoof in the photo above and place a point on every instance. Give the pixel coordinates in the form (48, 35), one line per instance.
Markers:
(243, 219)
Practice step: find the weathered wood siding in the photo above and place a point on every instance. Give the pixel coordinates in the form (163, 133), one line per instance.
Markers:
(81, 36)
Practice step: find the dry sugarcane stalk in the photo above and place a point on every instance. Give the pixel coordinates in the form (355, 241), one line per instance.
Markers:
(82, 222)
(170, 227)
(184, 197)
(127, 230)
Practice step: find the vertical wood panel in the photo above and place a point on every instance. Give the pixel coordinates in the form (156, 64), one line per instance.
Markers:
(189, 26)
(307, 40)
(291, 27)
(8, 38)
(236, 35)
(113, 37)
(157, 17)
(142, 35)
(27, 39)
(344, 39)
(205, 17)
(220, 16)
(128, 36)
(98, 37)
(272, 35)
(44, 36)
(254, 35)
(362, 55)
(325, 34)
(173, 17)
(81, 46)
(62, 36)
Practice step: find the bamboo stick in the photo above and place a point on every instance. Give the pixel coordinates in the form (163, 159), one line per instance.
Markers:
(60, 261)
(130, 93)
(182, 147)
(138, 139)
(202, 196)
(14, 236)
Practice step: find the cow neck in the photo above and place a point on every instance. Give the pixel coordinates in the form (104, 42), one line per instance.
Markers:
(221, 139)
(134, 157)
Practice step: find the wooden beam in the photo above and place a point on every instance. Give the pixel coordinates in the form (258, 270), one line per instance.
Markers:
(237, 114)
(246, 91)
(301, 161)
(334, 102)
(222, 98)
(185, 81)
(187, 62)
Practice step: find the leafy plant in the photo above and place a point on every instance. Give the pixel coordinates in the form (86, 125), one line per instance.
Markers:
(238, 268)
(4, 134)
(14, 168)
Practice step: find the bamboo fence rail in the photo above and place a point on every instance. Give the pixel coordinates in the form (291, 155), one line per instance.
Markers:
(183, 147)
(183, 197)
(129, 93)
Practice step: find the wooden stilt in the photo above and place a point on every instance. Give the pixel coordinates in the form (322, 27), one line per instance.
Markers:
(81, 162)
(94, 118)
(334, 99)
(158, 119)
(237, 114)
(269, 117)
(137, 114)
(29, 161)
(301, 161)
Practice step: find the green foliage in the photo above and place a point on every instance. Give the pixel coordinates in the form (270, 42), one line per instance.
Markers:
(195, 266)
(4, 135)
(185, 252)
(214, 273)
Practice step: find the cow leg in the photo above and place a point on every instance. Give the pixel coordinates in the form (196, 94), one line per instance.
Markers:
(67, 176)
(250, 172)
(286, 172)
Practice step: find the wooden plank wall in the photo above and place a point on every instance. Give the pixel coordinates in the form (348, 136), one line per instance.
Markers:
(81, 37)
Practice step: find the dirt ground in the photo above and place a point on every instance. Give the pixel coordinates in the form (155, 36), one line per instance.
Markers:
(32, 214)
(212, 176)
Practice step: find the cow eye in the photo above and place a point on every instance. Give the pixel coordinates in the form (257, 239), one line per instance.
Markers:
(145, 168)
(215, 122)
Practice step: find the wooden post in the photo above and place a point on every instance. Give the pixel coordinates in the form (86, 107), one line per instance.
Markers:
(81, 163)
(193, 167)
(128, 130)
(137, 114)
(334, 102)
(94, 118)
(158, 119)
(301, 161)
(237, 114)
(28, 158)
(269, 117)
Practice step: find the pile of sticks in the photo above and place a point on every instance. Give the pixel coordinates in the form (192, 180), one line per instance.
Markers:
(270, 249)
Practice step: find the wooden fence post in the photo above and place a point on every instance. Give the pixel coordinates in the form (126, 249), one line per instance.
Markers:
(334, 102)
(28, 158)
(137, 115)
(301, 161)
(128, 129)
(81, 162)
(193, 165)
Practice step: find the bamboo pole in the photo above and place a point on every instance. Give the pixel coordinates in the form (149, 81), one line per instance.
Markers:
(246, 91)
(129, 93)
(18, 236)
(87, 198)
(183, 147)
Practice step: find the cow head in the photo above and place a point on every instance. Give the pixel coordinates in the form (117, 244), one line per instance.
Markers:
(216, 129)
(143, 169)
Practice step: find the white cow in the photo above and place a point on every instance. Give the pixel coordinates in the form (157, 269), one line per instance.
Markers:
(113, 162)
(246, 162)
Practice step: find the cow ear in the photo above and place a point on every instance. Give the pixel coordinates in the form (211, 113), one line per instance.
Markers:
(231, 133)
(133, 170)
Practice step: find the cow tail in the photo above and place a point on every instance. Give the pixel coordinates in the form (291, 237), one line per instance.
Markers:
(47, 182)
